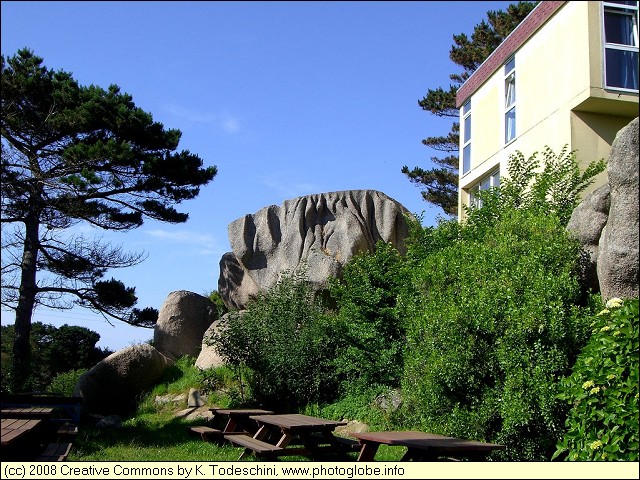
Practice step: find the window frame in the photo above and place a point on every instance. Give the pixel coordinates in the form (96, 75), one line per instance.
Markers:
(626, 10)
(510, 100)
(493, 179)
(466, 137)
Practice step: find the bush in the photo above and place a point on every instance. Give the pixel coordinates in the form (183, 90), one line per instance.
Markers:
(286, 341)
(65, 383)
(368, 322)
(493, 326)
(603, 390)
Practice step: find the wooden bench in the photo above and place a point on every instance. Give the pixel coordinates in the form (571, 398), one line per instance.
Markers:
(67, 432)
(258, 447)
(55, 452)
(69, 408)
(348, 443)
(209, 434)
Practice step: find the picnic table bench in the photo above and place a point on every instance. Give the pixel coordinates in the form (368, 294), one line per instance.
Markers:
(281, 435)
(67, 408)
(54, 452)
(237, 423)
(423, 446)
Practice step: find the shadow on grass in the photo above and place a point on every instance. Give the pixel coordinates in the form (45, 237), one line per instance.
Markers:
(140, 440)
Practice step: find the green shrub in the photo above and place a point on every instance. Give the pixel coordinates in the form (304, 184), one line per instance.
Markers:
(603, 390)
(493, 326)
(551, 186)
(368, 322)
(65, 383)
(285, 339)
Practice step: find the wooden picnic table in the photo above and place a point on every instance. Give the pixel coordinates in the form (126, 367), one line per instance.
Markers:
(278, 432)
(26, 412)
(423, 446)
(239, 419)
(236, 422)
(12, 429)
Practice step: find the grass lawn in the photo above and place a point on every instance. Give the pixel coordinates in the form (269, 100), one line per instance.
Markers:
(158, 437)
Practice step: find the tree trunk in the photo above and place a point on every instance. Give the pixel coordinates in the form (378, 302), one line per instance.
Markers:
(21, 367)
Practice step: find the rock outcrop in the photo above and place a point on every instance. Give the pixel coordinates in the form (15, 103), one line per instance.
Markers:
(586, 225)
(114, 384)
(209, 356)
(322, 231)
(618, 250)
(606, 223)
(182, 321)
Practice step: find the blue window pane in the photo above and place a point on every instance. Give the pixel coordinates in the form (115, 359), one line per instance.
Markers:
(510, 125)
(467, 129)
(466, 107)
(622, 69)
(618, 28)
(466, 159)
(510, 65)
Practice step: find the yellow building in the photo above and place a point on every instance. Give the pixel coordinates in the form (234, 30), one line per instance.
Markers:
(567, 75)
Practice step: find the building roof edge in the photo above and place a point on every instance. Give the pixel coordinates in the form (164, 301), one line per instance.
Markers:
(530, 25)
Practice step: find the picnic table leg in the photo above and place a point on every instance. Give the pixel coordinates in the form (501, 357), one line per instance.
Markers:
(231, 425)
(368, 451)
(284, 440)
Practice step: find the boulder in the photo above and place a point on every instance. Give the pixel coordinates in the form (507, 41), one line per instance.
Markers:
(114, 384)
(209, 356)
(182, 321)
(618, 248)
(321, 231)
(586, 224)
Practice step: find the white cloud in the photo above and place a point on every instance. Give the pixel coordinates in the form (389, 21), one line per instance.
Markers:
(229, 124)
(207, 244)
(287, 186)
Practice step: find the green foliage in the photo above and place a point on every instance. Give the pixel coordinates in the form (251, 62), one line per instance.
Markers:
(215, 297)
(368, 322)
(603, 390)
(286, 341)
(492, 328)
(65, 383)
(56, 350)
(74, 154)
(552, 186)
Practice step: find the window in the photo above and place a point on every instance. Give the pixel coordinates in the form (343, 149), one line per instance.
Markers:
(466, 137)
(510, 100)
(621, 45)
(490, 181)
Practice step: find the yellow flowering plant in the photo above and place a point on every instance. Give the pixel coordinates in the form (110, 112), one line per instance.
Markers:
(603, 390)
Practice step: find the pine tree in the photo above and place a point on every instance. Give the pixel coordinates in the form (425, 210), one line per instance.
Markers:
(73, 154)
(440, 184)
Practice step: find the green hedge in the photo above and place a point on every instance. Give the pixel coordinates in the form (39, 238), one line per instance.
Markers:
(603, 390)
(493, 327)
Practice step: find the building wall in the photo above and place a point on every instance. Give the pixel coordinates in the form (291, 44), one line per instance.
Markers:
(560, 99)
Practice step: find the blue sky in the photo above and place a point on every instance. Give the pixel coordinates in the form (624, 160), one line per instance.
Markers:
(285, 98)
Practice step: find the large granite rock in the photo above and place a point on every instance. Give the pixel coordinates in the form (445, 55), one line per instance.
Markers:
(114, 384)
(182, 321)
(586, 225)
(618, 249)
(209, 356)
(322, 231)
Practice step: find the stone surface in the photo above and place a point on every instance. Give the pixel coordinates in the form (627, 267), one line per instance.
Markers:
(209, 356)
(195, 399)
(618, 258)
(114, 384)
(586, 225)
(321, 231)
(182, 321)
